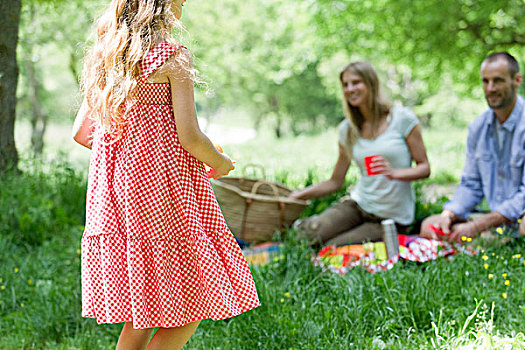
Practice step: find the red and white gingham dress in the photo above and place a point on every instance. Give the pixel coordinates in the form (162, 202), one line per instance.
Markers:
(156, 249)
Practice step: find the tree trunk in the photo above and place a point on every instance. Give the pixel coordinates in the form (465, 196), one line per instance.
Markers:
(9, 21)
(73, 65)
(278, 120)
(38, 115)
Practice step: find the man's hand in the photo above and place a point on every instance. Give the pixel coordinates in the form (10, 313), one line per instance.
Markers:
(442, 222)
(466, 229)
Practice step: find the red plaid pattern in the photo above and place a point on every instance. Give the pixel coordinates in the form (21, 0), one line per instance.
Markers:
(419, 250)
(156, 249)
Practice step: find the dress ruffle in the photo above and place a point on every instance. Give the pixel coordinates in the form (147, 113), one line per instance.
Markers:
(164, 283)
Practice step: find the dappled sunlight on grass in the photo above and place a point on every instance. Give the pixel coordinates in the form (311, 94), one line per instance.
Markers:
(412, 306)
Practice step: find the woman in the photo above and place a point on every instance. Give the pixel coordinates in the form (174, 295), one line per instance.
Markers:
(392, 136)
(156, 251)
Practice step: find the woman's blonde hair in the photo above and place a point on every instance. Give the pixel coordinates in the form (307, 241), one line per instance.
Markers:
(126, 32)
(377, 106)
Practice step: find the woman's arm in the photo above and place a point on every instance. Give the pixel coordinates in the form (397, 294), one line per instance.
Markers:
(331, 185)
(190, 136)
(418, 153)
(83, 126)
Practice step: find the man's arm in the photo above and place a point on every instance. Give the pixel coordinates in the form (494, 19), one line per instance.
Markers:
(469, 193)
(475, 227)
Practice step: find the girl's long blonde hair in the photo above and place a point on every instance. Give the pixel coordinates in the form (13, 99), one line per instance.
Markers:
(378, 107)
(126, 32)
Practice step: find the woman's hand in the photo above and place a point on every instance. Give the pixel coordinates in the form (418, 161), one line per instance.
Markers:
(418, 153)
(382, 166)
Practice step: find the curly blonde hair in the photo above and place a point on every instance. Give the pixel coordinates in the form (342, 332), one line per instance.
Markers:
(126, 32)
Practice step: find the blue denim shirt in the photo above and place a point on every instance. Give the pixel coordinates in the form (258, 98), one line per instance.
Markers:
(490, 172)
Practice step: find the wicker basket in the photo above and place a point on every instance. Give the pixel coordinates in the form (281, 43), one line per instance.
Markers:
(255, 209)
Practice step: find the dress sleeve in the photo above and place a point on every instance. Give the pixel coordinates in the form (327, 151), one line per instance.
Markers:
(157, 56)
(407, 120)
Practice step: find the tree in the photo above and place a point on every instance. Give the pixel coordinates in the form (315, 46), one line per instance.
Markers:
(432, 37)
(258, 57)
(9, 20)
(47, 28)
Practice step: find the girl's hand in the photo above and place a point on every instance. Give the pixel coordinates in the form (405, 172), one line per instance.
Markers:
(223, 170)
(382, 166)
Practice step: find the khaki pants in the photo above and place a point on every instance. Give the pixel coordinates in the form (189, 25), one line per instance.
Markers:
(343, 223)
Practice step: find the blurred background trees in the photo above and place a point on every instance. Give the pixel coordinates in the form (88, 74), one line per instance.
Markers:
(278, 61)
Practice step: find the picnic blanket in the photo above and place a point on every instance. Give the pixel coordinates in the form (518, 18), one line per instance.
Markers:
(262, 254)
(370, 256)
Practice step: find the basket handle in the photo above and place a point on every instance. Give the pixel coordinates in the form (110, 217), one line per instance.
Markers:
(262, 183)
(254, 166)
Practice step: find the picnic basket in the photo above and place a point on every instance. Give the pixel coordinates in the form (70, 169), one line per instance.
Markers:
(255, 208)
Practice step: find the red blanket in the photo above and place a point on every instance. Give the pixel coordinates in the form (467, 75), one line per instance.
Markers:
(372, 256)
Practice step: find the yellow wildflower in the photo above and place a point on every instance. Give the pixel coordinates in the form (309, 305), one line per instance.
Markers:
(499, 230)
(2, 287)
(15, 269)
(504, 295)
(29, 281)
(22, 304)
(491, 276)
(507, 282)
(282, 300)
(505, 275)
(486, 266)
(517, 256)
(463, 238)
(484, 257)
(519, 221)
(469, 239)
(287, 294)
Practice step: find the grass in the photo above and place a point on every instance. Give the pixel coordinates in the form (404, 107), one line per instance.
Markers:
(443, 304)
(413, 306)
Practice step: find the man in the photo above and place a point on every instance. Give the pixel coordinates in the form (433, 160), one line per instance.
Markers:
(494, 158)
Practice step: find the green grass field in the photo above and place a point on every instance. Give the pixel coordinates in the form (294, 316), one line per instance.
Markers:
(462, 303)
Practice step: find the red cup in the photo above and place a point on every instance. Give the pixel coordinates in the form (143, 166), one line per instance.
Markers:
(368, 161)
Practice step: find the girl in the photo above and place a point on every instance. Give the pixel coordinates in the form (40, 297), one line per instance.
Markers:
(156, 251)
(387, 139)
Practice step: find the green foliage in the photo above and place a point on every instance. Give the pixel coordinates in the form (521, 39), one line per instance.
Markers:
(40, 294)
(269, 67)
(439, 304)
(39, 204)
(52, 37)
(282, 69)
(432, 38)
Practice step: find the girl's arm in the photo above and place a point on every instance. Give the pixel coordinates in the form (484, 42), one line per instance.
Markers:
(190, 136)
(418, 153)
(331, 185)
(83, 126)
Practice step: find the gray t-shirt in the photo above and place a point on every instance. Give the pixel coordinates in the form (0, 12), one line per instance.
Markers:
(377, 194)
